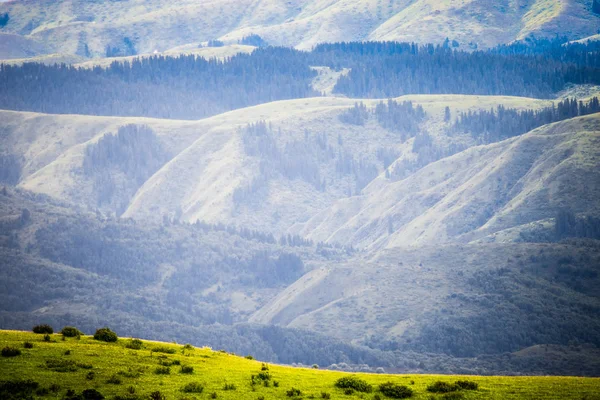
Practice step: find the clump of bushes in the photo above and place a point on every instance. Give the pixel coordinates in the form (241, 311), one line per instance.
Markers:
(135, 344)
(17, 389)
(453, 396)
(229, 386)
(10, 352)
(445, 387)
(163, 349)
(105, 335)
(59, 365)
(162, 371)
(325, 395)
(157, 396)
(114, 380)
(187, 369)
(28, 345)
(293, 392)
(193, 387)
(467, 385)
(44, 328)
(355, 383)
(395, 391)
(70, 331)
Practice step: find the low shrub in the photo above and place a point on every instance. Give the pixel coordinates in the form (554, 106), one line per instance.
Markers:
(44, 328)
(325, 395)
(92, 394)
(84, 366)
(453, 396)
(188, 347)
(264, 376)
(213, 395)
(353, 382)
(28, 345)
(163, 349)
(442, 387)
(114, 380)
(47, 338)
(229, 386)
(90, 376)
(467, 385)
(349, 392)
(264, 367)
(249, 357)
(67, 353)
(276, 383)
(162, 371)
(10, 352)
(18, 389)
(131, 373)
(193, 387)
(135, 344)
(54, 388)
(70, 331)
(293, 392)
(157, 396)
(187, 369)
(58, 365)
(395, 391)
(105, 335)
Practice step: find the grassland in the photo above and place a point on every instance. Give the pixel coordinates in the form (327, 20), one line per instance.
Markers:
(113, 369)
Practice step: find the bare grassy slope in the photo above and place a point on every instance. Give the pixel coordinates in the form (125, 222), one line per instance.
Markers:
(159, 25)
(476, 193)
(209, 161)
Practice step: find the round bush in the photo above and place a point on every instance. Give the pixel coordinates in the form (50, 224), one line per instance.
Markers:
(45, 328)
(353, 382)
(442, 387)
(70, 331)
(395, 391)
(105, 335)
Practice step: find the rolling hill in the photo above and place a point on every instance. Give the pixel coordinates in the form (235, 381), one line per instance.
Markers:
(474, 194)
(87, 28)
(215, 163)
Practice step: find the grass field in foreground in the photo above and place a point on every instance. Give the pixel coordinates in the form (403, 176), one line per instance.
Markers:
(115, 370)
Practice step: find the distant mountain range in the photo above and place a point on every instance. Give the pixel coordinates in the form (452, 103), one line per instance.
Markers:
(90, 28)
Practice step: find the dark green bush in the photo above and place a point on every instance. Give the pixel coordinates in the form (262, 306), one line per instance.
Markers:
(90, 376)
(157, 396)
(59, 365)
(249, 357)
(229, 386)
(467, 385)
(264, 376)
(349, 392)
(395, 391)
(45, 328)
(353, 382)
(47, 337)
(276, 383)
(193, 387)
(293, 392)
(10, 352)
(114, 380)
(105, 335)
(28, 345)
(162, 370)
(325, 395)
(84, 366)
(70, 331)
(131, 373)
(92, 394)
(42, 392)
(163, 349)
(187, 369)
(442, 387)
(453, 396)
(264, 367)
(213, 395)
(17, 389)
(135, 344)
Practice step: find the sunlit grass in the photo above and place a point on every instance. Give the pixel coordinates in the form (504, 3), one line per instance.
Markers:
(137, 372)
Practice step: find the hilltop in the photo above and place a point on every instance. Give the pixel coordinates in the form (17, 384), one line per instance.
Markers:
(88, 28)
(136, 369)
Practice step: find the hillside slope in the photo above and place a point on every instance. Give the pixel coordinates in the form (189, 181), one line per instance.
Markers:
(87, 28)
(314, 159)
(113, 369)
(476, 193)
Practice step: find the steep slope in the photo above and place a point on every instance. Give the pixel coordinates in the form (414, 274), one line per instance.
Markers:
(87, 28)
(212, 169)
(479, 192)
(459, 300)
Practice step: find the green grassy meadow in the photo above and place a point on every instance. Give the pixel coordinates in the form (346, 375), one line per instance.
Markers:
(115, 370)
